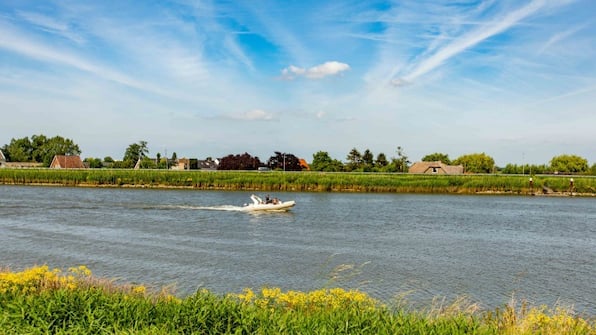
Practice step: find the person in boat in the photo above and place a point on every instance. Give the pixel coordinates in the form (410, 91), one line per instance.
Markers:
(267, 199)
(275, 201)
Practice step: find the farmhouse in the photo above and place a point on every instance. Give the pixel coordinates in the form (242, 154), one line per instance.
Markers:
(185, 164)
(67, 162)
(16, 165)
(195, 164)
(437, 167)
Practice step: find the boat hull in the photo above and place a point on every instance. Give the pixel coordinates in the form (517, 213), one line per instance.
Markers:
(280, 207)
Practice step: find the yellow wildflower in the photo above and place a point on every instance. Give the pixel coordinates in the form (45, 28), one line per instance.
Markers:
(140, 289)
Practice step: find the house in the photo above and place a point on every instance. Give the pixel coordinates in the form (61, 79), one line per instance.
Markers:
(195, 164)
(20, 165)
(67, 162)
(17, 165)
(208, 164)
(437, 167)
(181, 164)
(304, 164)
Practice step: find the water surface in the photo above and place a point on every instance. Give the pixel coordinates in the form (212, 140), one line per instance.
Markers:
(486, 247)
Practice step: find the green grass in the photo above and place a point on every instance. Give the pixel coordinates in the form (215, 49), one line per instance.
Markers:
(43, 301)
(301, 181)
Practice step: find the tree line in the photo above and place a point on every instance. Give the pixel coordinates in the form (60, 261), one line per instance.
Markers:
(39, 149)
(42, 149)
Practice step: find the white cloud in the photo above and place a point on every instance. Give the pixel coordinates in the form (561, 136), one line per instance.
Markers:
(399, 82)
(253, 115)
(326, 69)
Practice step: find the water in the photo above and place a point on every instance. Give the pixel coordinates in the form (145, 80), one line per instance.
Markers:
(485, 247)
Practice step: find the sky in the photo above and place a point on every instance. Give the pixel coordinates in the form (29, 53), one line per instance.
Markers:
(515, 79)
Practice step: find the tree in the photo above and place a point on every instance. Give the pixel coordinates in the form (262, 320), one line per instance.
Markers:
(134, 152)
(525, 169)
(94, 163)
(437, 157)
(147, 163)
(48, 148)
(354, 159)
(368, 160)
(19, 150)
(39, 149)
(284, 161)
(401, 162)
(161, 163)
(381, 161)
(323, 162)
(569, 164)
(476, 163)
(239, 162)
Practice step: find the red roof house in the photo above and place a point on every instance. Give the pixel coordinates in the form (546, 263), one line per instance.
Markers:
(67, 162)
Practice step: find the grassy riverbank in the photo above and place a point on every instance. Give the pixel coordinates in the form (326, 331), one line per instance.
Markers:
(302, 181)
(39, 300)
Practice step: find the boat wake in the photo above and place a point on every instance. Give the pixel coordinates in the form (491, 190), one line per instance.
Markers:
(227, 208)
(258, 205)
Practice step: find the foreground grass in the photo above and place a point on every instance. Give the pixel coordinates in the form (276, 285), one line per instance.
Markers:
(39, 301)
(302, 181)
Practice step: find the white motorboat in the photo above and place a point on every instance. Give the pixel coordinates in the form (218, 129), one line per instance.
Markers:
(276, 205)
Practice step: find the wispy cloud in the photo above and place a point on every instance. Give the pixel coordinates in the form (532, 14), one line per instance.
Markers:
(11, 39)
(51, 25)
(472, 38)
(326, 69)
(271, 26)
(574, 93)
(203, 70)
(559, 36)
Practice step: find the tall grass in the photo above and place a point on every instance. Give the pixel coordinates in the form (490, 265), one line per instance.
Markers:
(302, 181)
(39, 301)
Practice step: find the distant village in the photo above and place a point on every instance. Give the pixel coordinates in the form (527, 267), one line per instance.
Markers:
(181, 164)
(75, 162)
(60, 153)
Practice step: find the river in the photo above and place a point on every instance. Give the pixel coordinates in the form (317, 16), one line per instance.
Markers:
(488, 248)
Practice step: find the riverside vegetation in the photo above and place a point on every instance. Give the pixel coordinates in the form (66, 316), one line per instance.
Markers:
(304, 181)
(40, 300)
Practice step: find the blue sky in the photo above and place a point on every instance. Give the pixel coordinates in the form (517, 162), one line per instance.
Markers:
(514, 79)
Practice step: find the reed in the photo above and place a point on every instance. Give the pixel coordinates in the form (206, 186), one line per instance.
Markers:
(40, 300)
(302, 181)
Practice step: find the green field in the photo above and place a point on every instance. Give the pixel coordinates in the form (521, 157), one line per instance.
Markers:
(304, 181)
(40, 300)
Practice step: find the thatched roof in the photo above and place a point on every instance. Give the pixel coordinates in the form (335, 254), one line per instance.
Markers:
(437, 167)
